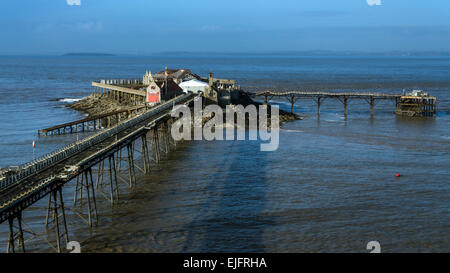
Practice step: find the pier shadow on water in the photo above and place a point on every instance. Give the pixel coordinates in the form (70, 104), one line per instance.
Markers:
(236, 199)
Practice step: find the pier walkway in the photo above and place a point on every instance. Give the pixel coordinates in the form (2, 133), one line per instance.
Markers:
(90, 123)
(47, 175)
(119, 93)
(318, 97)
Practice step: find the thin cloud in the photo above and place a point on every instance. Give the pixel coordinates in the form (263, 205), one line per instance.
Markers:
(322, 13)
(82, 26)
(374, 2)
(73, 2)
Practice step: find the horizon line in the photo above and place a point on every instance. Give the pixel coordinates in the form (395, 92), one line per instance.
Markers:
(313, 52)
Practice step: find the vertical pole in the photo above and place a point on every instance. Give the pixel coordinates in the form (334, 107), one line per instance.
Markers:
(66, 233)
(119, 160)
(131, 164)
(100, 173)
(93, 196)
(318, 105)
(155, 147)
(292, 104)
(115, 178)
(111, 178)
(75, 191)
(11, 236)
(55, 212)
(47, 218)
(345, 105)
(78, 190)
(20, 232)
(166, 137)
(144, 153)
(372, 105)
(88, 199)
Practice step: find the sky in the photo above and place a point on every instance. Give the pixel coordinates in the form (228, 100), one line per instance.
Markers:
(149, 26)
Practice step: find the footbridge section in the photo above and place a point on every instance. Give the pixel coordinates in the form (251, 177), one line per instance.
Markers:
(46, 176)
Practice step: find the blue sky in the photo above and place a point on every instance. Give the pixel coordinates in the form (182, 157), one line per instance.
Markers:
(147, 26)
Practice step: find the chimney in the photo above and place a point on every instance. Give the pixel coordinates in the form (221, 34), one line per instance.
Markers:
(210, 81)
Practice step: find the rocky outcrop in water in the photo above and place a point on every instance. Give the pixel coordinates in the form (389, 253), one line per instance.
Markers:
(95, 105)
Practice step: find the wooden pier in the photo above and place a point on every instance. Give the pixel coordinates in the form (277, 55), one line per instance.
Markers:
(120, 93)
(92, 123)
(118, 90)
(418, 104)
(145, 137)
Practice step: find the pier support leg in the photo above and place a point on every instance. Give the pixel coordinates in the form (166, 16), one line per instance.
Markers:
(78, 192)
(101, 167)
(119, 161)
(116, 184)
(372, 105)
(345, 105)
(292, 104)
(131, 170)
(94, 203)
(292, 100)
(145, 154)
(166, 137)
(318, 105)
(15, 236)
(113, 185)
(155, 146)
(86, 183)
(56, 208)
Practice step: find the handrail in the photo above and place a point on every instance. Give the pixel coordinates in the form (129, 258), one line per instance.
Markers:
(54, 157)
(330, 94)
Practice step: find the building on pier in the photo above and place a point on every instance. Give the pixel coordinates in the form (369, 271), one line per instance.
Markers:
(177, 75)
(416, 104)
(164, 85)
(194, 86)
(160, 90)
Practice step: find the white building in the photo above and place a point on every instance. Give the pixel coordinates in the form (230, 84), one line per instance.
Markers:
(194, 86)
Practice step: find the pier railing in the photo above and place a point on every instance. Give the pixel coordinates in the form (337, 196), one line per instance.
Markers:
(326, 94)
(319, 96)
(54, 157)
(121, 81)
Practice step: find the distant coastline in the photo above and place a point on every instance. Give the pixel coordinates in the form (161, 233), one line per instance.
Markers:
(313, 53)
(87, 54)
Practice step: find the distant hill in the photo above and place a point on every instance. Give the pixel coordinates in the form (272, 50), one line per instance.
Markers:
(88, 54)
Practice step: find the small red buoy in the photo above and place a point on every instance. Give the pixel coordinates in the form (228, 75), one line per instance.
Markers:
(397, 175)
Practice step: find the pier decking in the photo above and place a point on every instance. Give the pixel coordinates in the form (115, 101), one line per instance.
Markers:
(91, 123)
(344, 97)
(119, 93)
(47, 175)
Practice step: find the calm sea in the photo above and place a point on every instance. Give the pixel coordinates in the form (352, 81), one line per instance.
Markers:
(330, 187)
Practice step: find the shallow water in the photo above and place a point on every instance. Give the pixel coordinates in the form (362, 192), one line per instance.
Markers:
(330, 186)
